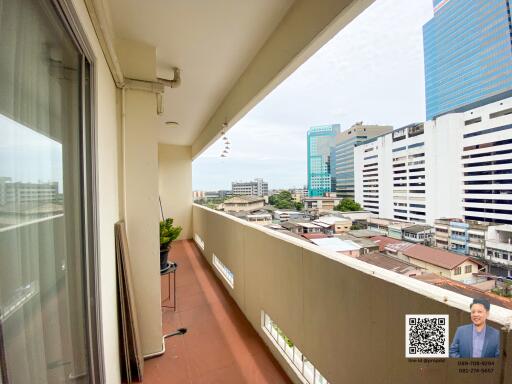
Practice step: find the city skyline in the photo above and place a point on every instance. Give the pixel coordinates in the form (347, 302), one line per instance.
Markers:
(366, 60)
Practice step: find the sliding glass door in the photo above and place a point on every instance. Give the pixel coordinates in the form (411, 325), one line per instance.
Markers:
(44, 330)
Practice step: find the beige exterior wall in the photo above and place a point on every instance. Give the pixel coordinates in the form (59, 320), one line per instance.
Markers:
(142, 213)
(108, 151)
(342, 227)
(175, 185)
(346, 316)
(443, 271)
(462, 276)
(429, 267)
(236, 207)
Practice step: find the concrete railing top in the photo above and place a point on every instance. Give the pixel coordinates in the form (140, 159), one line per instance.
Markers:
(497, 314)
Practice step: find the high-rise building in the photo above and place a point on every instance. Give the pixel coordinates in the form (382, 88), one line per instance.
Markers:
(413, 173)
(258, 187)
(320, 143)
(468, 55)
(344, 154)
(458, 165)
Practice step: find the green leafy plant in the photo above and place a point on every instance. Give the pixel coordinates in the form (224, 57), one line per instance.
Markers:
(168, 233)
(347, 205)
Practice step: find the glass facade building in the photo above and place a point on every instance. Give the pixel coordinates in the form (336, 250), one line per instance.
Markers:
(468, 52)
(345, 166)
(320, 144)
(344, 155)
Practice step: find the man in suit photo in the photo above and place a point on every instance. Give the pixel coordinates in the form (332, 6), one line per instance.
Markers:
(476, 340)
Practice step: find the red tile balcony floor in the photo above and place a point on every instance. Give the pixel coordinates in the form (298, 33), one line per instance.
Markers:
(220, 346)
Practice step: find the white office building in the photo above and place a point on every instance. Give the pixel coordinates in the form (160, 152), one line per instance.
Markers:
(258, 187)
(396, 173)
(459, 165)
(487, 163)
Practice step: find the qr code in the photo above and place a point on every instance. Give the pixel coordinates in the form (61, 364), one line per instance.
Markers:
(426, 336)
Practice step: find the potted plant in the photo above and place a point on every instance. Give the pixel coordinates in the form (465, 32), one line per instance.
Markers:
(168, 233)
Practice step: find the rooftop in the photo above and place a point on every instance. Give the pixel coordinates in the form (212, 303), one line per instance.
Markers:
(363, 242)
(417, 228)
(331, 220)
(504, 228)
(465, 289)
(364, 233)
(381, 221)
(307, 225)
(435, 256)
(310, 236)
(401, 246)
(387, 262)
(336, 245)
(383, 241)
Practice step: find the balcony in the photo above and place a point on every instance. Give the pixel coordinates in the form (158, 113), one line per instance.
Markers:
(330, 306)
(134, 139)
(220, 345)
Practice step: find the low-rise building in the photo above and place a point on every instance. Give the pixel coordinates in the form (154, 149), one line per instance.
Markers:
(466, 237)
(334, 224)
(387, 227)
(363, 233)
(260, 218)
(283, 215)
(443, 263)
(346, 247)
(392, 264)
(474, 291)
(301, 228)
(418, 233)
(366, 245)
(308, 228)
(299, 194)
(243, 203)
(383, 241)
(321, 203)
(499, 250)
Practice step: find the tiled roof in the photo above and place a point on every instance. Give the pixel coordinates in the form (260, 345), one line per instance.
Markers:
(435, 256)
(388, 262)
(465, 289)
(310, 236)
(382, 241)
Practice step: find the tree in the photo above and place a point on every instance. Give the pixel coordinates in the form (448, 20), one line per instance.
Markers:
(284, 200)
(347, 205)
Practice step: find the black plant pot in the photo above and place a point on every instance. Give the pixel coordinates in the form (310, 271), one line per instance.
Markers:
(164, 255)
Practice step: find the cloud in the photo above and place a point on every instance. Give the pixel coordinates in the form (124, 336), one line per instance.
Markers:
(371, 71)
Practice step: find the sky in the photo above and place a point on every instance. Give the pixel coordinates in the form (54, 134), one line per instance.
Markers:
(28, 156)
(371, 71)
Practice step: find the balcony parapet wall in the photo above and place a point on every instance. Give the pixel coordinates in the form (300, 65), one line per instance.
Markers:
(346, 316)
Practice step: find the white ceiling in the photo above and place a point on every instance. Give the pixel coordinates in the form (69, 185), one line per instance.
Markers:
(211, 41)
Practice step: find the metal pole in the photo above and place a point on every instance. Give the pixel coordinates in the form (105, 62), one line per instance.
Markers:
(161, 210)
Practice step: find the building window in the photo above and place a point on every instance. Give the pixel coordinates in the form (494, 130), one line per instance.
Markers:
(473, 121)
(468, 269)
(458, 271)
(294, 357)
